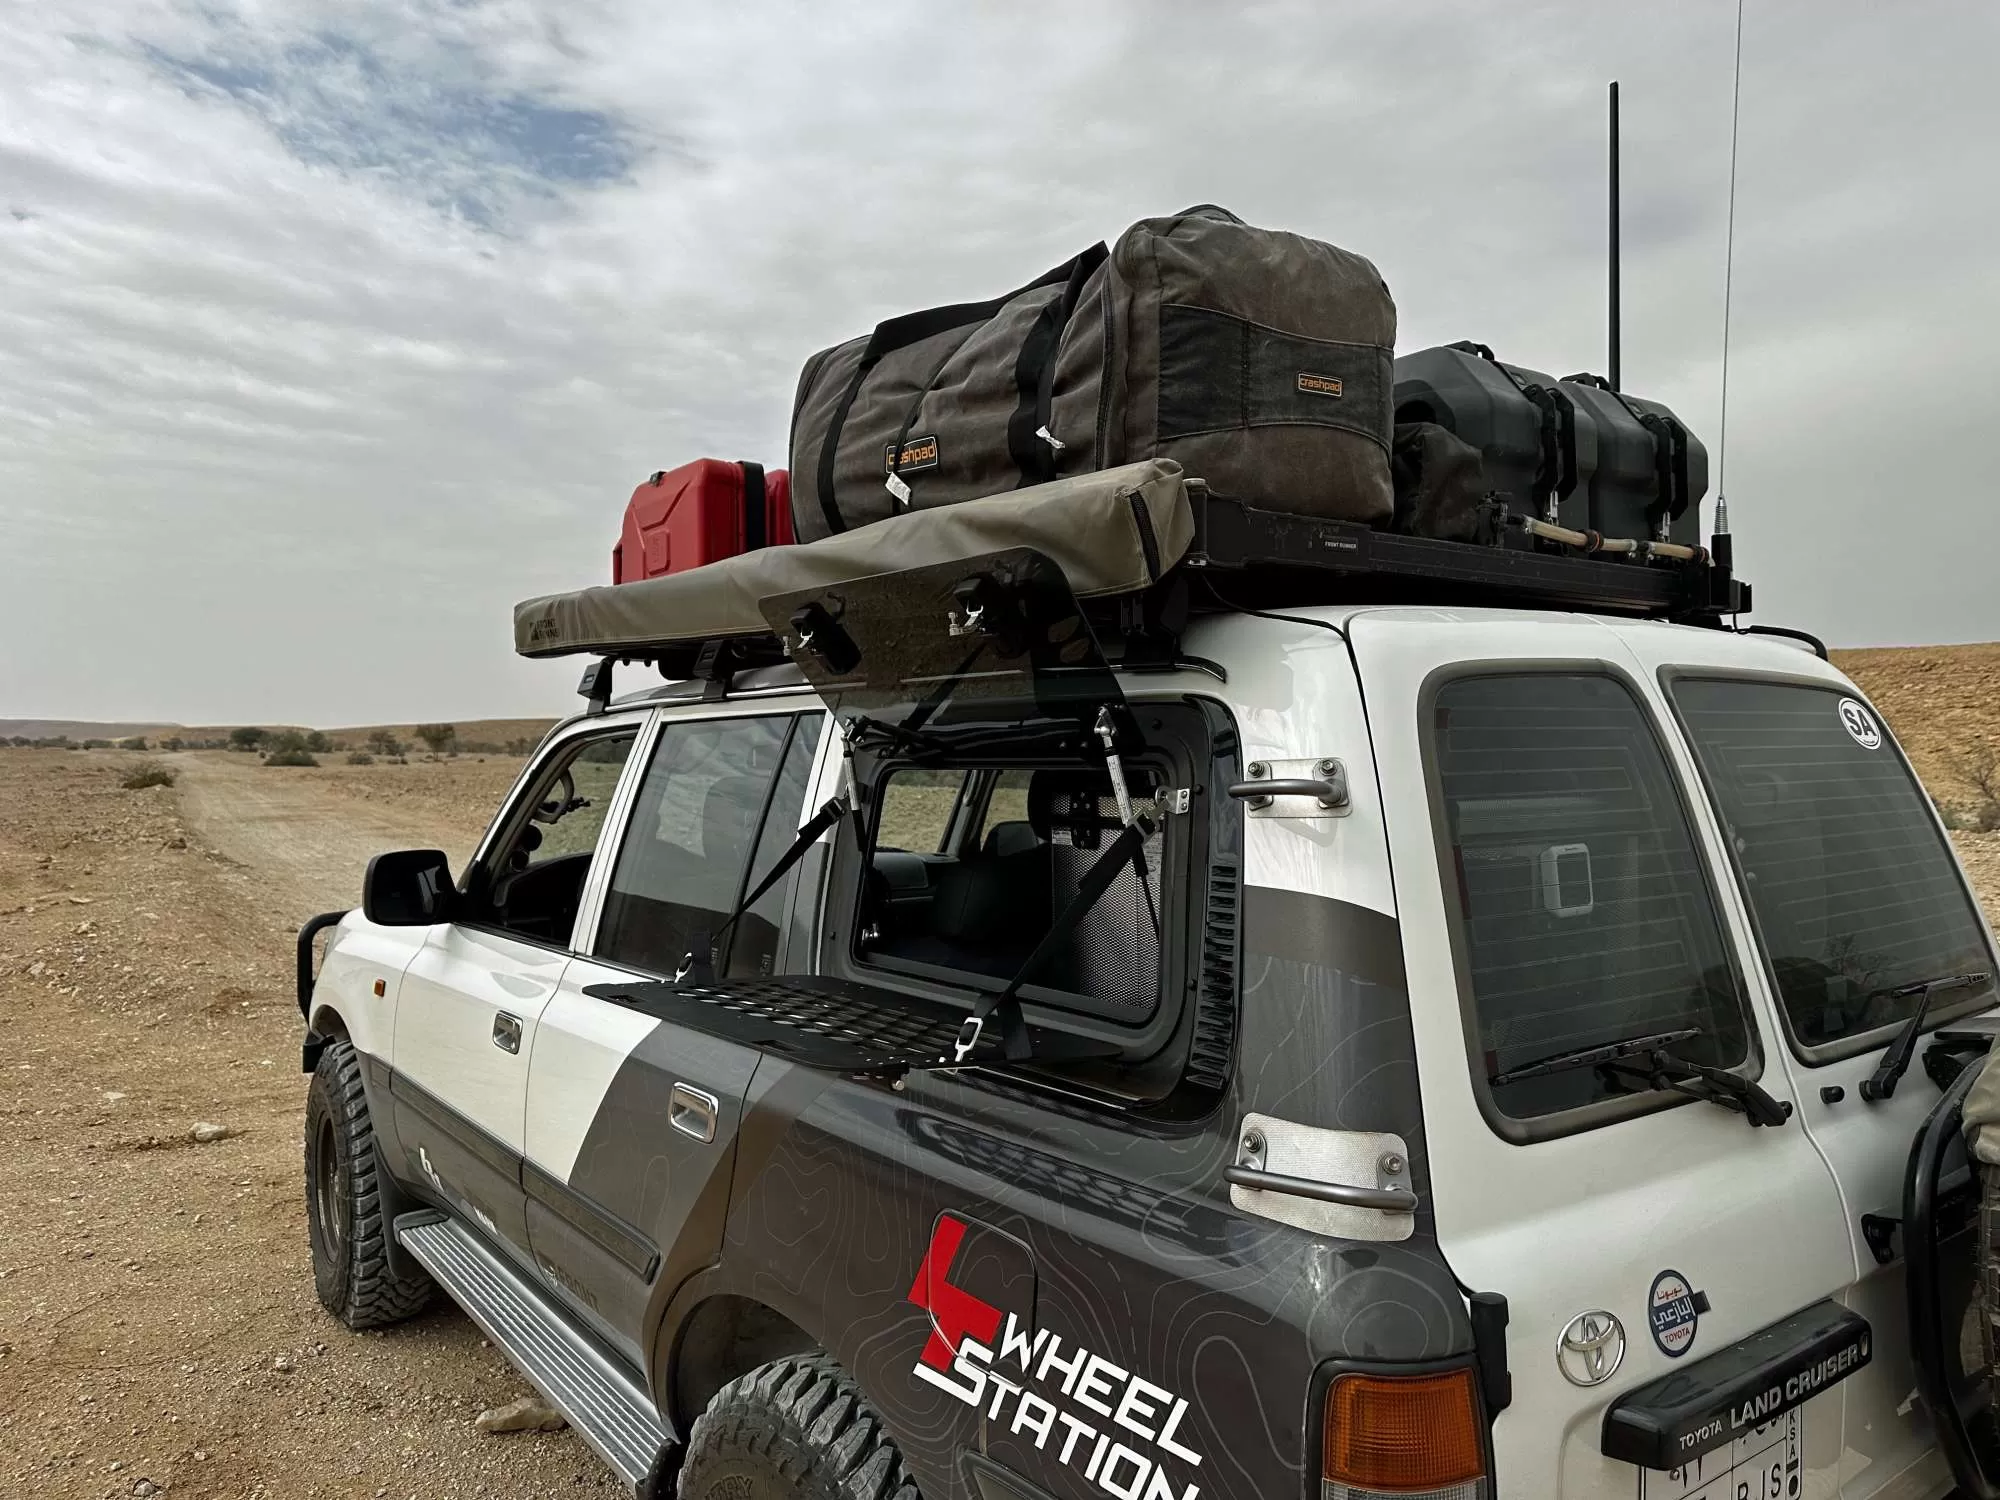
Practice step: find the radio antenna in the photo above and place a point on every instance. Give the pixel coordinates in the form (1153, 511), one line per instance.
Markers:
(1616, 382)
(1728, 284)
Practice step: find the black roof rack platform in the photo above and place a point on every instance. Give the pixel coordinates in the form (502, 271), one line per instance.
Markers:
(1298, 560)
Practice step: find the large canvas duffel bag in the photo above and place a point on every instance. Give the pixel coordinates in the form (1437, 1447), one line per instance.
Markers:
(1257, 359)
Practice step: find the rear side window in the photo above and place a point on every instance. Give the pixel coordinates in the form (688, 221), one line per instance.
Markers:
(1850, 883)
(1584, 914)
(686, 856)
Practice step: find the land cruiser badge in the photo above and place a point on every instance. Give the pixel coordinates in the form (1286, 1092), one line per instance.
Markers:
(1673, 1312)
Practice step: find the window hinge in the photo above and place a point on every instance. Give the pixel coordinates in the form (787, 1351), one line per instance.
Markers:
(1172, 799)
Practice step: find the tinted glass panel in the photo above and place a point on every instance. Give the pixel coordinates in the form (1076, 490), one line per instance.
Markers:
(1585, 912)
(1847, 876)
(693, 826)
(753, 945)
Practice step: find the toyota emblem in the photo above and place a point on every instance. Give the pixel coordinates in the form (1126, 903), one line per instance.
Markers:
(1591, 1348)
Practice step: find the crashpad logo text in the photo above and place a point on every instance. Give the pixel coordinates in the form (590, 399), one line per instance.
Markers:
(1090, 1413)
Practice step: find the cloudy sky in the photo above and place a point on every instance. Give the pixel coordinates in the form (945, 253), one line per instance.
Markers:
(329, 331)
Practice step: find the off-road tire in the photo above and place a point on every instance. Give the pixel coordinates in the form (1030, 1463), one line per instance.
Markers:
(796, 1429)
(344, 1217)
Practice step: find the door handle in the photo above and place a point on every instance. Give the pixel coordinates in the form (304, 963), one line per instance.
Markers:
(507, 1032)
(693, 1111)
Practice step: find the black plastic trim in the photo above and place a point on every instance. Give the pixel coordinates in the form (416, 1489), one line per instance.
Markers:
(1695, 1410)
(495, 1153)
(612, 1235)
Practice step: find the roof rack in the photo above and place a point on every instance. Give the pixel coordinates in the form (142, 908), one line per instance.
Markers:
(1300, 560)
(1135, 551)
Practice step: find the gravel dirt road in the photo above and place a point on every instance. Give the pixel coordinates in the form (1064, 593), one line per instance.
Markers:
(158, 1329)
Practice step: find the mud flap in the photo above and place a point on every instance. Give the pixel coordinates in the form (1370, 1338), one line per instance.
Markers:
(1942, 1254)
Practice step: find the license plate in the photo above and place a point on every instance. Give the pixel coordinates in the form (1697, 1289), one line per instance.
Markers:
(1763, 1464)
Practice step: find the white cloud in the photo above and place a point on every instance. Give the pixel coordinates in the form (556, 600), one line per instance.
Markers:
(330, 331)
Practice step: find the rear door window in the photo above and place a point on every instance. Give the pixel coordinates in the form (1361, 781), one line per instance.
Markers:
(1585, 915)
(1848, 879)
(698, 815)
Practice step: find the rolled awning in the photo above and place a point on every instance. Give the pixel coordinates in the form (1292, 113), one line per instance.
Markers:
(1111, 532)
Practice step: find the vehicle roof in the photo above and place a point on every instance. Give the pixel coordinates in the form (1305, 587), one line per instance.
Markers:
(1706, 645)
(1755, 650)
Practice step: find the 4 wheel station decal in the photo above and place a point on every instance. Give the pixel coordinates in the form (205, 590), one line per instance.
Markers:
(1116, 1427)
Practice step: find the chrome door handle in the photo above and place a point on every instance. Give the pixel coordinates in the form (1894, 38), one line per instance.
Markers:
(693, 1111)
(507, 1032)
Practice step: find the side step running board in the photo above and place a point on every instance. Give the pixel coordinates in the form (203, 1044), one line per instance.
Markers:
(603, 1403)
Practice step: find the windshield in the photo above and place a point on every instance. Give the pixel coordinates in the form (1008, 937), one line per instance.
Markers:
(1853, 890)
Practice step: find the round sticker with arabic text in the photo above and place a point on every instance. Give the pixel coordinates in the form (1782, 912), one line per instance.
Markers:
(1860, 724)
(1673, 1312)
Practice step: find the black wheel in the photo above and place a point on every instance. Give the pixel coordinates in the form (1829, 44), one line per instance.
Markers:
(797, 1429)
(350, 1235)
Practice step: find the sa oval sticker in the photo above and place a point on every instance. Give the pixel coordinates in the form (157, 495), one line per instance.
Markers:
(1673, 1312)
(1860, 724)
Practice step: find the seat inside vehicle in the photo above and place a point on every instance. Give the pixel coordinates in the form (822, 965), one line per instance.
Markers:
(984, 908)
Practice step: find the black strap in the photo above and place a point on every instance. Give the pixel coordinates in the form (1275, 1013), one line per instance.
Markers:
(699, 963)
(830, 448)
(756, 507)
(1035, 373)
(1005, 1008)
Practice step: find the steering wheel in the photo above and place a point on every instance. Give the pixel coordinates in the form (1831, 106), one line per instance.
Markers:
(561, 798)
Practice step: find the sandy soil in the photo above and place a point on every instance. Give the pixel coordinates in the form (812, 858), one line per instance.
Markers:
(157, 1318)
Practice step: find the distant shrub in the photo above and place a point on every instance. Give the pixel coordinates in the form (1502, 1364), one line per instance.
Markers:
(147, 773)
(136, 742)
(440, 739)
(383, 743)
(1979, 768)
(291, 757)
(249, 737)
(360, 758)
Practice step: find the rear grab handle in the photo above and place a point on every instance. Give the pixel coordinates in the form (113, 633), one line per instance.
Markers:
(1388, 1200)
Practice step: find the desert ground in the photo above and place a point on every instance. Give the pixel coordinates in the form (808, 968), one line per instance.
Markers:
(158, 1329)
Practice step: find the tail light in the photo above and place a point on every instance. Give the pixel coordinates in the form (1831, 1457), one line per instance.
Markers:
(1404, 1435)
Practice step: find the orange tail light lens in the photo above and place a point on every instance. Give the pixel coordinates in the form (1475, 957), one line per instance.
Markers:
(1404, 1435)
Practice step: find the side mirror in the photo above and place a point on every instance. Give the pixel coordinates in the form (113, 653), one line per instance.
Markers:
(409, 888)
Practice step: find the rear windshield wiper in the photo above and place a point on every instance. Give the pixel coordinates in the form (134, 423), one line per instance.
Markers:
(1881, 1084)
(1585, 1057)
(1665, 1073)
(1646, 1060)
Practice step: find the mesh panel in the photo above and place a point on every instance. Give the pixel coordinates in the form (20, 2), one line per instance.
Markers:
(1114, 955)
